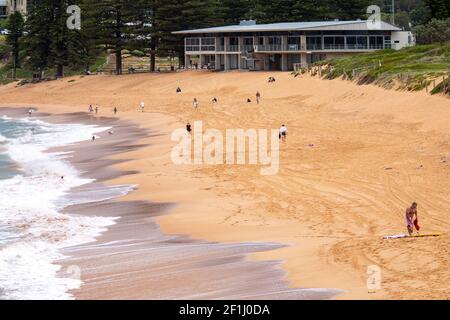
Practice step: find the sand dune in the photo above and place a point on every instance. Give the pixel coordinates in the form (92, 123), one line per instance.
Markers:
(374, 152)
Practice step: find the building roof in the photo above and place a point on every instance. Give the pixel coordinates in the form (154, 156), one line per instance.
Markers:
(294, 26)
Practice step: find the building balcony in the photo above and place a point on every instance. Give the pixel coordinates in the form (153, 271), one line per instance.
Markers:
(286, 48)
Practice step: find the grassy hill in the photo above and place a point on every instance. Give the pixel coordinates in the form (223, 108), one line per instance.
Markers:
(424, 67)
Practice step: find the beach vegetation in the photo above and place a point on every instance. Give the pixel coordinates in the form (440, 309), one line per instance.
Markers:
(414, 68)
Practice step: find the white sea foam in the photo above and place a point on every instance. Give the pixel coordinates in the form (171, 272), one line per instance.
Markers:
(31, 204)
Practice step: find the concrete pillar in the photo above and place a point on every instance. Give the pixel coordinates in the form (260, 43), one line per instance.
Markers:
(303, 43)
(303, 60)
(187, 59)
(202, 61)
(217, 65)
(266, 62)
(284, 62)
(227, 62)
(284, 43)
(227, 43)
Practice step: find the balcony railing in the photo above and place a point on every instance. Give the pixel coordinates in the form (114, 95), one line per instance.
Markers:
(289, 47)
(247, 47)
(233, 48)
(269, 47)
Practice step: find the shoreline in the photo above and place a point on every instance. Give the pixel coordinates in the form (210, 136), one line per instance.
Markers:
(136, 238)
(339, 198)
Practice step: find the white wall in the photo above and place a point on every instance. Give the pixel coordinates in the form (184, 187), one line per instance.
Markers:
(402, 39)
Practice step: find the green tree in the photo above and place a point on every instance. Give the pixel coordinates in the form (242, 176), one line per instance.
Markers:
(435, 31)
(439, 9)
(233, 11)
(15, 26)
(38, 37)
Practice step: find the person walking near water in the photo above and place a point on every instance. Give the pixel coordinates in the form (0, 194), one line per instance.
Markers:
(115, 110)
(30, 112)
(412, 220)
(96, 110)
(90, 109)
(142, 105)
(258, 97)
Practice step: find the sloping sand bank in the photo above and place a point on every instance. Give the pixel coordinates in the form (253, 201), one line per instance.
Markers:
(356, 157)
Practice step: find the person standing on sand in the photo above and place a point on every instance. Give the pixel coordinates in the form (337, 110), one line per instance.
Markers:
(96, 110)
(258, 97)
(30, 112)
(178, 90)
(412, 220)
(90, 109)
(115, 110)
(93, 138)
(283, 133)
(189, 128)
(195, 104)
(142, 105)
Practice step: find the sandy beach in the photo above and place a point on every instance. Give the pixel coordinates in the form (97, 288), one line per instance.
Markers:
(355, 158)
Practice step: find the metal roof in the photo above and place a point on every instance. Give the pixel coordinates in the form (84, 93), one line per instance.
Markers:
(294, 26)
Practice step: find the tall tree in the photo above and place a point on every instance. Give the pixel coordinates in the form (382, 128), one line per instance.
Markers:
(233, 11)
(15, 26)
(38, 37)
(439, 9)
(115, 21)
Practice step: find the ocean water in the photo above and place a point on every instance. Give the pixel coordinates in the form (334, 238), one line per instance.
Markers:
(32, 196)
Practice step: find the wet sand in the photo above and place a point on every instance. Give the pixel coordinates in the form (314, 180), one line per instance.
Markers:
(134, 259)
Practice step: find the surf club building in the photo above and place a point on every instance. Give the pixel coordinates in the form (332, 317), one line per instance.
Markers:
(285, 46)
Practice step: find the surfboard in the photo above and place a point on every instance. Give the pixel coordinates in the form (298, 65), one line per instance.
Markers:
(402, 236)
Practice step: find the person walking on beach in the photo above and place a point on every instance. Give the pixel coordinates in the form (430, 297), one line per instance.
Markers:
(189, 128)
(30, 112)
(115, 110)
(96, 110)
(412, 220)
(178, 90)
(142, 105)
(195, 104)
(91, 109)
(214, 100)
(93, 138)
(283, 133)
(258, 97)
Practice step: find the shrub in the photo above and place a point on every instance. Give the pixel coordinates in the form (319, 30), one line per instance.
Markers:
(435, 31)
(137, 53)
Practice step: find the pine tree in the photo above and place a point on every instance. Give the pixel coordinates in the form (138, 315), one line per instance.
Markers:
(115, 20)
(90, 44)
(64, 44)
(233, 11)
(38, 37)
(15, 26)
(439, 9)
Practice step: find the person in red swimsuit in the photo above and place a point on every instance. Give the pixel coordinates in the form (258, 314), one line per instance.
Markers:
(412, 220)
